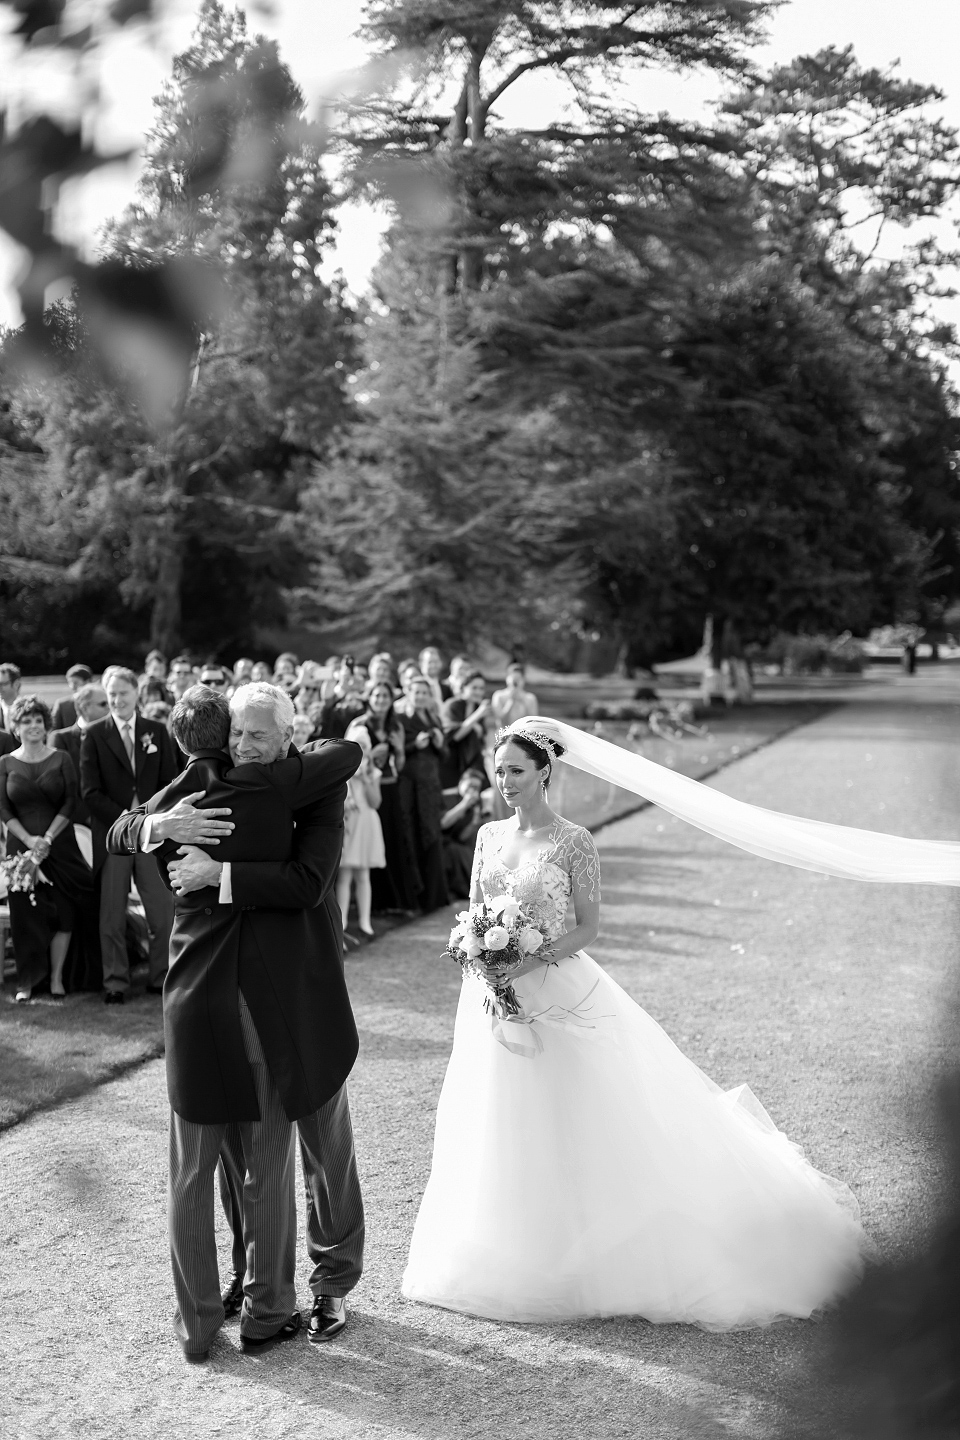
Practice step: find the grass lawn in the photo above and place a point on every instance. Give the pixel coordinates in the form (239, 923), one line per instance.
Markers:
(53, 1050)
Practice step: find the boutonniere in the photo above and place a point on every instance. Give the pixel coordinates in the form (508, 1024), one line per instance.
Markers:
(146, 740)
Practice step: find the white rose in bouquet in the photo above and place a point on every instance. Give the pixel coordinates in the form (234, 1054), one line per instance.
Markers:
(506, 907)
(456, 935)
(530, 940)
(471, 946)
(496, 938)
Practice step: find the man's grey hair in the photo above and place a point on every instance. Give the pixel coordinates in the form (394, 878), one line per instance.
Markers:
(259, 692)
(86, 695)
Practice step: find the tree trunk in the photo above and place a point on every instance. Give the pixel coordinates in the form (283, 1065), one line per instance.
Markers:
(165, 619)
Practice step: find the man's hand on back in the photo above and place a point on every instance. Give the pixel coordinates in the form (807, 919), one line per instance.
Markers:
(196, 870)
(187, 825)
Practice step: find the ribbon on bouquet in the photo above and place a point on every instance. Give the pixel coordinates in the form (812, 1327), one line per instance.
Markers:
(524, 1039)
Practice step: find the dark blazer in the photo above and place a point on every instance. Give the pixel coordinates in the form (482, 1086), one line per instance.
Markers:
(69, 739)
(280, 942)
(106, 780)
(64, 714)
(8, 742)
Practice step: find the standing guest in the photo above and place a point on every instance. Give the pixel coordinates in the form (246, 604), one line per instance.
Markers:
(460, 825)
(362, 836)
(242, 672)
(124, 760)
(381, 668)
(181, 675)
(460, 667)
(285, 664)
(215, 677)
(424, 748)
(514, 701)
(466, 723)
(261, 673)
(431, 665)
(64, 711)
(155, 666)
(91, 705)
(303, 728)
(38, 794)
(151, 691)
(398, 885)
(345, 703)
(407, 671)
(9, 690)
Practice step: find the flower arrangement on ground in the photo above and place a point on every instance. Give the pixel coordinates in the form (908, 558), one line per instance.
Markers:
(491, 940)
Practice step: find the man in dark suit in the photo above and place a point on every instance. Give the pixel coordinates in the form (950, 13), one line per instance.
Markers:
(257, 1020)
(91, 705)
(124, 761)
(65, 711)
(9, 690)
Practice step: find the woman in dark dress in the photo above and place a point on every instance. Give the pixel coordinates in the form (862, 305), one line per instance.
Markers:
(398, 885)
(39, 787)
(424, 749)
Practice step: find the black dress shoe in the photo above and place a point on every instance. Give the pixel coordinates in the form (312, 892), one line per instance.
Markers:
(113, 997)
(288, 1331)
(232, 1297)
(327, 1318)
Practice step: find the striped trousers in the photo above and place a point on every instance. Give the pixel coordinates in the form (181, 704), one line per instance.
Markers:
(268, 1211)
(335, 1224)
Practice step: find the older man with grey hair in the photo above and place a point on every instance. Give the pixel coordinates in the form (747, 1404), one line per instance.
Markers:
(257, 1018)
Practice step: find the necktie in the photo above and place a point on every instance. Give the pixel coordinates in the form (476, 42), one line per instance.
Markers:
(128, 743)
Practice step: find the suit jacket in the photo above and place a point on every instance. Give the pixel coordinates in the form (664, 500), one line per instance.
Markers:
(8, 742)
(280, 942)
(106, 781)
(64, 713)
(69, 739)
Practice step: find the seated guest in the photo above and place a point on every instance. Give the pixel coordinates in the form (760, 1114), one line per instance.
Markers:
(38, 796)
(468, 727)
(181, 675)
(460, 825)
(9, 690)
(64, 711)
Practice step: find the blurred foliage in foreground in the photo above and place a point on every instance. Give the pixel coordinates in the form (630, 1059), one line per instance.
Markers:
(617, 372)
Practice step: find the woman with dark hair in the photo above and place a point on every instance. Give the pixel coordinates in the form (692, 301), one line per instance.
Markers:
(466, 720)
(398, 885)
(39, 787)
(424, 749)
(632, 1183)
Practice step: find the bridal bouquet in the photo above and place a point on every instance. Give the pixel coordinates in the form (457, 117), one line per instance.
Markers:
(490, 940)
(21, 872)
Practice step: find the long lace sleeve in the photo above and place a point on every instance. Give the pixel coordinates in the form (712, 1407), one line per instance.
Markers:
(475, 890)
(582, 860)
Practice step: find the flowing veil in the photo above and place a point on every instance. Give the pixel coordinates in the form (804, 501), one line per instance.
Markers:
(808, 844)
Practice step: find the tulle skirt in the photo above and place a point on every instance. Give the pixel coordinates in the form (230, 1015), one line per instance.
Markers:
(582, 1166)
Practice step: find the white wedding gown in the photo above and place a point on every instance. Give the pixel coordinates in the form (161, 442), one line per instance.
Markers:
(582, 1166)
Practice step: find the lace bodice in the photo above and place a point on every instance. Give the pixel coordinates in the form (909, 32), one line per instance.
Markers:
(544, 883)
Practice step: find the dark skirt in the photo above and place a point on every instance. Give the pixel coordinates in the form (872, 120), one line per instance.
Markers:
(398, 886)
(421, 778)
(67, 903)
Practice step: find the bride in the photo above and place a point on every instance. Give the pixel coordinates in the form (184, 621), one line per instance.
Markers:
(582, 1165)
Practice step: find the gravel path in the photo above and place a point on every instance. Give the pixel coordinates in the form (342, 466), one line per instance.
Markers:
(829, 997)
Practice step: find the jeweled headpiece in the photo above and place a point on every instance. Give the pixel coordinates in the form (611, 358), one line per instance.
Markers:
(537, 736)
